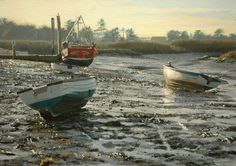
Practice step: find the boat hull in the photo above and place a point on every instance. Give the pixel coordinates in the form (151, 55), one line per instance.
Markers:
(81, 56)
(83, 62)
(63, 104)
(60, 97)
(189, 80)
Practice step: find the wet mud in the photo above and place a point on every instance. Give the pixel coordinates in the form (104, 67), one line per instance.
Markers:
(132, 119)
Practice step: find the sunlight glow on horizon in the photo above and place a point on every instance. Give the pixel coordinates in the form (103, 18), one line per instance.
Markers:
(147, 18)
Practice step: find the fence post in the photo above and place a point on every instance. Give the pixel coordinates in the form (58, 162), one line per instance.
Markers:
(53, 34)
(58, 37)
(13, 44)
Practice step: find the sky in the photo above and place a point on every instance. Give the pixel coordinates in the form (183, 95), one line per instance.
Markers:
(147, 17)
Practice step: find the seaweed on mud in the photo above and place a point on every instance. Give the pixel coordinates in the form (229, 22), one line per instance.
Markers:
(47, 161)
(7, 139)
(227, 139)
(222, 153)
(179, 143)
(230, 128)
(147, 119)
(113, 124)
(120, 155)
(165, 155)
(6, 152)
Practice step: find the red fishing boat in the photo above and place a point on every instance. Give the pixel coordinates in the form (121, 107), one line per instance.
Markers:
(79, 52)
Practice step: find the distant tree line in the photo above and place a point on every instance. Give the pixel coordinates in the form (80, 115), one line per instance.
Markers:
(102, 33)
(9, 30)
(174, 35)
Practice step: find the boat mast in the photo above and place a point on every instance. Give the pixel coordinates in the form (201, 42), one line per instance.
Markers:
(83, 23)
(79, 21)
(71, 30)
(78, 28)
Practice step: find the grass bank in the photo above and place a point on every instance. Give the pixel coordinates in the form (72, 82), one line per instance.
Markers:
(133, 48)
(141, 47)
(228, 57)
(32, 46)
(206, 46)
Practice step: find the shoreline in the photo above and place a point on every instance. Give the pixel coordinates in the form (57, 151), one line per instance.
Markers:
(227, 57)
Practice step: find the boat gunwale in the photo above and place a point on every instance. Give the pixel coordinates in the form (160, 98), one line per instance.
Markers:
(24, 90)
(78, 79)
(184, 71)
(56, 83)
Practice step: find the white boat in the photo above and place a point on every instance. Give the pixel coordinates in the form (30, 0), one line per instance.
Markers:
(59, 97)
(189, 80)
(62, 67)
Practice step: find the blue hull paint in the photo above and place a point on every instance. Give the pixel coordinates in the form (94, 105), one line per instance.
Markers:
(64, 103)
(191, 74)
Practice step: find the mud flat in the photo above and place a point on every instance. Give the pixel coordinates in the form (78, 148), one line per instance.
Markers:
(131, 120)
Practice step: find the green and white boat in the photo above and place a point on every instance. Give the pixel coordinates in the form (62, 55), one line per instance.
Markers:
(59, 97)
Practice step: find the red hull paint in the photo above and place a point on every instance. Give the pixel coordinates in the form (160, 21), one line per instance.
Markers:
(81, 53)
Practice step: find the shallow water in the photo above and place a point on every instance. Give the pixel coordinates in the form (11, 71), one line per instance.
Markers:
(132, 118)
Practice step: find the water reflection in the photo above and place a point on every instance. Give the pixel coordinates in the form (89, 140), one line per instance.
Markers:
(188, 98)
(169, 95)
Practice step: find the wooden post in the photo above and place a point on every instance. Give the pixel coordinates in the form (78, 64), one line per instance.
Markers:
(13, 44)
(53, 34)
(58, 37)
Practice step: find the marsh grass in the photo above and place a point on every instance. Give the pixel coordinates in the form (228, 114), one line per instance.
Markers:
(32, 46)
(144, 47)
(130, 47)
(206, 46)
